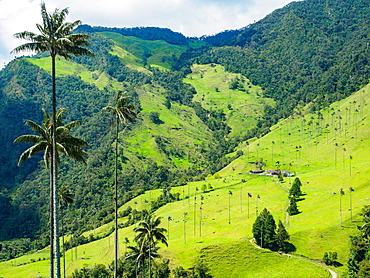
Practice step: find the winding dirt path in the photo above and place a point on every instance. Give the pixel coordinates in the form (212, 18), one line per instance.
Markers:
(332, 272)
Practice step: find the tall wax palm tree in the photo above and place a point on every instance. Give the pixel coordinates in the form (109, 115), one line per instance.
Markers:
(168, 227)
(350, 200)
(42, 142)
(137, 253)
(122, 112)
(56, 38)
(150, 232)
(341, 193)
(249, 196)
(65, 196)
(142, 252)
(195, 208)
(184, 220)
(230, 194)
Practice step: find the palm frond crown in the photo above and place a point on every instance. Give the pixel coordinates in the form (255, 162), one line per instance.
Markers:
(67, 144)
(55, 36)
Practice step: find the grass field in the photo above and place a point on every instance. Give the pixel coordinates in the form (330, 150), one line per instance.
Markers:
(327, 153)
(181, 130)
(134, 50)
(66, 67)
(242, 108)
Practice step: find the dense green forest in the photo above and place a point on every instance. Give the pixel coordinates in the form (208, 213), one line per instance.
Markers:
(307, 54)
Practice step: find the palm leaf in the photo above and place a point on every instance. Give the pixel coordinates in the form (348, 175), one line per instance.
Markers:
(31, 151)
(65, 195)
(73, 125)
(32, 139)
(36, 128)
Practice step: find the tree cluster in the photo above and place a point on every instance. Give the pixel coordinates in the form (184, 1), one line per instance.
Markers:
(294, 194)
(266, 234)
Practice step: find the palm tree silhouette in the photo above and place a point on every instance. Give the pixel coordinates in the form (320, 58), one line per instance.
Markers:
(249, 196)
(56, 38)
(122, 112)
(341, 193)
(138, 254)
(184, 220)
(230, 194)
(149, 233)
(43, 142)
(350, 200)
(168, 227)
(142, 252)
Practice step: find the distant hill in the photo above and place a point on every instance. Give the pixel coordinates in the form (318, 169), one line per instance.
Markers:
(309, 51)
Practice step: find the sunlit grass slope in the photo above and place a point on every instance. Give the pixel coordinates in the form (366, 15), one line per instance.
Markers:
(327, 151)
(176, 140)
(66, 67)
(183, 134)
(192, 238)
(242, 105)
(134, 50)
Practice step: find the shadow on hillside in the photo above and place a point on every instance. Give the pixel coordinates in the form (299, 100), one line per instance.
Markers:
(337, 264)
(289, 248)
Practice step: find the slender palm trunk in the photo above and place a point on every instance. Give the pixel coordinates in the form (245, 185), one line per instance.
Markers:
(63, 245)
(248, 207)
(51, 212)
(229, 209)
(150, 261)
(116, 206)
(54, 163)
(350, 202)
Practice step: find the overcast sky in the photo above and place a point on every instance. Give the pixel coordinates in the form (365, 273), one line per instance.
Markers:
(190, 17)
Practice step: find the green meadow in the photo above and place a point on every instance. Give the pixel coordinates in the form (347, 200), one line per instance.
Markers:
(66, 67)
(242, 106)
(133, 51)
(180, 129)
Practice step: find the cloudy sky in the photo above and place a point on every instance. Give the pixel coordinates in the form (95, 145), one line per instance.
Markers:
(190, 17)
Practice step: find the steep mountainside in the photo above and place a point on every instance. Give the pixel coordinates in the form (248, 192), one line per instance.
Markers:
(309, 51)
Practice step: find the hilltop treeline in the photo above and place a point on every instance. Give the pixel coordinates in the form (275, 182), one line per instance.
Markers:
(145, 33)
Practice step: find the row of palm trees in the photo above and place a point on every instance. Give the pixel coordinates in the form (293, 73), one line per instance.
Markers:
(52, 137)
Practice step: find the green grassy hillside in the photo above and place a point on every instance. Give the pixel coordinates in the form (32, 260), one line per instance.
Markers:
(326, 152)
(233, 94)
(134, 51)
(66, 67)
(177, 140)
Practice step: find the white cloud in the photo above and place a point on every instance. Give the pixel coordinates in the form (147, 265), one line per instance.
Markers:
(190, 17)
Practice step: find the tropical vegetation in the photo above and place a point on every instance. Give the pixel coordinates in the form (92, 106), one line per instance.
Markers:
(285, 97)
